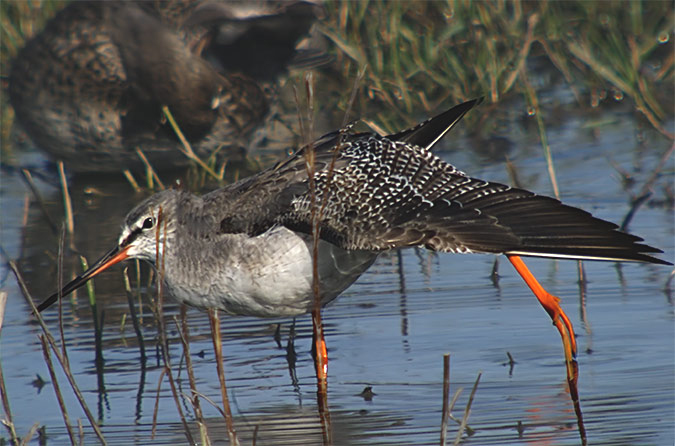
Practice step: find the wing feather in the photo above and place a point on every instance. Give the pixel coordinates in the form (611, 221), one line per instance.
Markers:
(392, 192)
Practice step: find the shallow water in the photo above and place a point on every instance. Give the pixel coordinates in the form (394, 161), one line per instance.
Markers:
(390, 330)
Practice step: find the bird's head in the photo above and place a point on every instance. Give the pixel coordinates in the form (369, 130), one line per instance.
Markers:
(145, 233)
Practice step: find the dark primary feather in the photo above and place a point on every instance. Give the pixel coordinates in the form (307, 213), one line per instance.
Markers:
(429, 132)
(391, 192)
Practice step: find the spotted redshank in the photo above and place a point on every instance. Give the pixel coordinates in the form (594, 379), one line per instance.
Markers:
(89, 89)
(246, 249)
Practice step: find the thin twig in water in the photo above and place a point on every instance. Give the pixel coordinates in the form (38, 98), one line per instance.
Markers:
(59, 281)
(211, 402)
(151, 172)
(666, 286)
(494, 274)
(317, 327)
(3, 304)
(310, 159)
(137, 264)
(67, 203)
(446, 397)
(511, 363)
(26, 209)
(65, 366)
(254, 441)
(155, 412)
(130, 178)
(57, 388)
(467, 411)
(582, 306)
(134, 316)
(184, 333)
(9, 424)
(160, 256)
(29, 435)
(218, 349)
(41, 202)
(186, 145)
(80, 430)
(321, 358)
(534, 103)
(318, 344)
(98, 330)
(453, 401)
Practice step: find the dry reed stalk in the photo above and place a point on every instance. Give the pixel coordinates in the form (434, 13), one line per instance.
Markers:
(9, 424)
(218, 349)
(3, 304)
(188, 152)
(150, 171)
(511, 363)
(319, 344)
(80, 431)
(534, 103)
(155, 412)
(67, 202)
(26, 210)
(164, 342)
(184, 333)
(41, 202)
(583, 314)
(65, 366)
(57, 388)
(137, 263)
(29, 435)
(318, 340)
(59, 284)
(130, 178)
(134, 317)
(446, 395)
(467, 411)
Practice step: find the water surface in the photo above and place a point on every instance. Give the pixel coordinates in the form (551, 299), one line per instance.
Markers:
(391, 329)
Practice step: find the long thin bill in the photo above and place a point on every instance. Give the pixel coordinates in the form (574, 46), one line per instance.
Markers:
(112, 257)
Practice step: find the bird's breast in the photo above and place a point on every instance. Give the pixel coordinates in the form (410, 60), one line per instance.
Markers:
(269, 275)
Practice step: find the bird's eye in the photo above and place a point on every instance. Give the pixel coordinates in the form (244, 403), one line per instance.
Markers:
(148, 223)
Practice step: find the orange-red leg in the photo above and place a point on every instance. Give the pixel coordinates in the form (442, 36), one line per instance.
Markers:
(321, 366)
(551, 304)
(320, 350)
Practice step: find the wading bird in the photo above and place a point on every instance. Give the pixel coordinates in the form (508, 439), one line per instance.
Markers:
(247, 248)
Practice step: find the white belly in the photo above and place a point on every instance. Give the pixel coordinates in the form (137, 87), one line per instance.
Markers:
(266, 276)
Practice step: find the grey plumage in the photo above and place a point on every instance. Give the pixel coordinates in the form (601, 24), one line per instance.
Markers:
(245, 248)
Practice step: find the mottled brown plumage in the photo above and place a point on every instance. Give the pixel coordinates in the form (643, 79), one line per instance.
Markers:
(89, 88)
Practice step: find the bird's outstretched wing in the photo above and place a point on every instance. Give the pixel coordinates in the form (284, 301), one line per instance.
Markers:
(375, 193)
